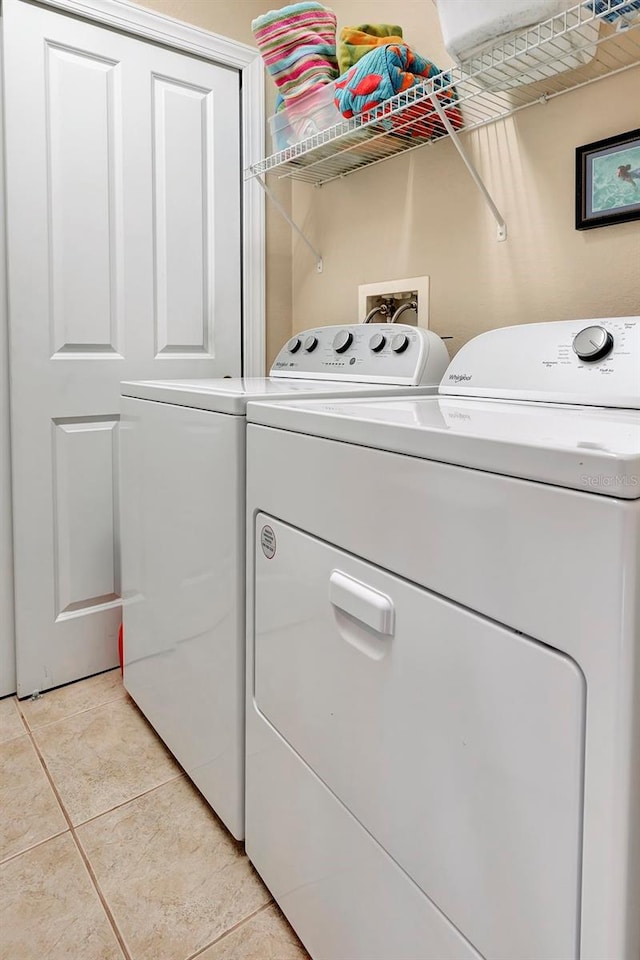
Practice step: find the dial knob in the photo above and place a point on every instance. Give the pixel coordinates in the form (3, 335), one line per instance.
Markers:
(377, 342)
(310, 343)
(342, 341)
(593, 343)
(294, 345)
(400, 343)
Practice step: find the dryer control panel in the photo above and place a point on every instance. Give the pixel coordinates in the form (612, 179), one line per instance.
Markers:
(371, 353)
(590, 362)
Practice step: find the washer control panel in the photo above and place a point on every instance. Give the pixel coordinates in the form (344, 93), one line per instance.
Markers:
(592, 362)
(373, 353)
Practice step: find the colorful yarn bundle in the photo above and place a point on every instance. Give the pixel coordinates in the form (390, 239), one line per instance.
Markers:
(386, 71)
(298, 46)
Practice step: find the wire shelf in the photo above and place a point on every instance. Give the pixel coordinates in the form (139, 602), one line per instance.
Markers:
(570, 50)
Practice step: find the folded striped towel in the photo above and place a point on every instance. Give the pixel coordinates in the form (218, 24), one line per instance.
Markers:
(355, 42)
(383, 73)
(298, 46)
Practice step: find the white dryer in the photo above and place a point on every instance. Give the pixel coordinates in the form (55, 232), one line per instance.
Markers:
(443, 661)
(182, 454)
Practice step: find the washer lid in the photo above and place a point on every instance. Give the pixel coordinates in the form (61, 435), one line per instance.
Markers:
(232, 395)
(595, 450)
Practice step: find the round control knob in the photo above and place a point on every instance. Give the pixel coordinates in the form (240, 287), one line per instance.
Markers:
(294, 345)
(400, 343)
(310, 343)
(342, 341)
(377, 342)
(593, 343)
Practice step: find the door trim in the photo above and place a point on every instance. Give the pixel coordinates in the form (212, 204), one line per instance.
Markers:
(7, 634)
(149, 25)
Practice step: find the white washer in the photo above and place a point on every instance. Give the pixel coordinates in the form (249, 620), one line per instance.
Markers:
(182, 449)
(443, 661)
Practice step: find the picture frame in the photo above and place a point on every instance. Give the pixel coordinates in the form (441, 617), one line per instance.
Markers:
(608, 181)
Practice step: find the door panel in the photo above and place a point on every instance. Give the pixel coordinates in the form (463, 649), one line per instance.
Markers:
(85, 236)
(123, 178)
(183, 195)
(457, 743)
(84, 457)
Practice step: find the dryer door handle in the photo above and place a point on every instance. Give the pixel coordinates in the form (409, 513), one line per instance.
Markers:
(361, 602)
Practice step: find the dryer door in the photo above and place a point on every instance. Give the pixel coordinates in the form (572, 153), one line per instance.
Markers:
(456, 742)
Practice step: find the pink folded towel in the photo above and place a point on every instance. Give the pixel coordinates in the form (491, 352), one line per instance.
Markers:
(298, 46)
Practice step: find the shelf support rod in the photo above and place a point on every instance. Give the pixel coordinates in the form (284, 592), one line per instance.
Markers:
(294, 226)
(502, 227)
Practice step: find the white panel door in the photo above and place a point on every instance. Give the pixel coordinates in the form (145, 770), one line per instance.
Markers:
(123, 175)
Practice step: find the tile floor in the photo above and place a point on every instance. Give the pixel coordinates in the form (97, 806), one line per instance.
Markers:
(106, 849)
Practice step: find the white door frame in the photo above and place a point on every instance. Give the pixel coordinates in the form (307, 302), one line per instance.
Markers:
(7, 634)
(148, 25)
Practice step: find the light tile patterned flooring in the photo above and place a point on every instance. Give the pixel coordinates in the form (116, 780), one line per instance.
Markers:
(107, 851)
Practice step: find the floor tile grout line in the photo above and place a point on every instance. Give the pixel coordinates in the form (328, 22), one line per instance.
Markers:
(78, 840)
(138, 796)
(102, 897)
(70, 826)
(32, 733)
(51, 779)
(25, 733)
(25, 728)
(81, 853)
(34, 846)
(63, 686)
(96, 706)
(73, 828)
(227, 933)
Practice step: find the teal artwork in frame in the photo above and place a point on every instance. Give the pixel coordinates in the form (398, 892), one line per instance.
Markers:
(608, 181)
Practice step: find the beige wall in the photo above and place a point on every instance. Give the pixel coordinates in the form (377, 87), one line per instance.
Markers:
(229, 18)
(421, 214)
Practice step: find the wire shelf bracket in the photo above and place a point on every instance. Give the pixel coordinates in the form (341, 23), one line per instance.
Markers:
(294, 226)
(475, 176)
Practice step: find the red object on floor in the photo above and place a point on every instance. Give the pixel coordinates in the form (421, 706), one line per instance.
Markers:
(120, 644)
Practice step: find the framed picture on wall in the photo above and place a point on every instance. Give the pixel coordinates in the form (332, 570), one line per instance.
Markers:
(608, 181)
